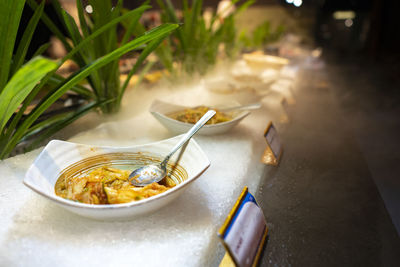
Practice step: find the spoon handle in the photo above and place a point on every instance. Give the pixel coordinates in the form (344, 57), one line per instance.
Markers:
(190, 133)
(244, 107)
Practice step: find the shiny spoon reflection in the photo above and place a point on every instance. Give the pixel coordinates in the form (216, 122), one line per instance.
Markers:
(154, 173)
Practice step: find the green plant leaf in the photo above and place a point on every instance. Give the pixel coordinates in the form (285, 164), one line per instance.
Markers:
(49, 23)
(132, 25)
(20, 85)
(102, 14)
(99, 31)
(10, 14)
(10, 129)
(170, 12)
(84, 57)
(82, 19)
(153, 34)
(149, 48)
(194, 20)
(79, 89)
(23, 46)
(96, 84)
(36, 128)
(165, 54)
(244, 6)
(41, 49)
(53, 125)
(196, 44)
(72, 27)
(143, 73)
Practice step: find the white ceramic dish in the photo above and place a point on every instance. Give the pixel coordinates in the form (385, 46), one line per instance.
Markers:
(160, 109)
(59, 156)
(261, 61)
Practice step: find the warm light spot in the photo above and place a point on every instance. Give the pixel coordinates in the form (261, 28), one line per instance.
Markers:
(89, 9)
(348, 14)
(297, 3)
(348, 22)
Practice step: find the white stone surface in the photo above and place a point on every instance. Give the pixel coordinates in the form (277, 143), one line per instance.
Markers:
(36, 232)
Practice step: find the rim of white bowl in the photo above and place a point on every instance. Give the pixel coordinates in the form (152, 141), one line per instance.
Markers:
(154, 111)
(71, 203)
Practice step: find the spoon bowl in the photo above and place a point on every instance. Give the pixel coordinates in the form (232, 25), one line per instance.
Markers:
(154, 173)
(147, 174)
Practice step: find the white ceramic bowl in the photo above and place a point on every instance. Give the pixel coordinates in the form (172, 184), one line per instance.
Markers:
(261, 61)
(160, 109)
(59, 156)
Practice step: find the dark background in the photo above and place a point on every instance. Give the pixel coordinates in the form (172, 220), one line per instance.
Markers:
(375, 34)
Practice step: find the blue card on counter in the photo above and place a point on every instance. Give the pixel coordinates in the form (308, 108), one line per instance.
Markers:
(244, 232)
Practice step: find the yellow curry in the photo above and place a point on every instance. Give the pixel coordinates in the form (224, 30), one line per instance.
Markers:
(192, 115)
(107, 185)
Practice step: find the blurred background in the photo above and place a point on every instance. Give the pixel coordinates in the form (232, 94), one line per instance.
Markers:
(351, 27)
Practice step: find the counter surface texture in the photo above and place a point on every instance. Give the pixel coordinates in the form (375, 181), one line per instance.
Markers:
(322, 205)
(36, 232)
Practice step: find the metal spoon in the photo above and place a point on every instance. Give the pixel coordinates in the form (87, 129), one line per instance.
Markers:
(153, 173)
(242, 107)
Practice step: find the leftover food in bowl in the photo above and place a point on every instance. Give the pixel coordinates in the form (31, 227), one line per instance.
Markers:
(107, 185)
(193, 115)
(162, 111)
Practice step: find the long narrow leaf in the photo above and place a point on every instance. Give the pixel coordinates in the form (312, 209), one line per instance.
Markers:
(41, 49)
(10, 14)
(165, 55)
(155, 33)
(244, 6)
(82, 19)
(101, 30)
(58, 10)
(101, 15)
(62, 122)
(72, 27)
(79, 89)
(149, 48)
(84, 43)
(23, 46)
(112, 38)
(196, 14)
(88, 54)
(46, 123)
(20, 85)
(170, 11)
(128, 31)
(50, 24)
(143, 73)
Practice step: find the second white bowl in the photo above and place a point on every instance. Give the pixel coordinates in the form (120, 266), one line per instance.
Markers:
(160, 111)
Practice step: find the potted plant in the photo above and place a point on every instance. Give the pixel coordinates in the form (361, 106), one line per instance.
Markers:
(17, 91)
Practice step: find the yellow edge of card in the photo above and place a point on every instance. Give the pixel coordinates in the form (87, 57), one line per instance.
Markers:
(229, 218)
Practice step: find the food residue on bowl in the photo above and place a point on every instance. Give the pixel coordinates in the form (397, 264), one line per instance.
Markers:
(192, 115)
(107, 185)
